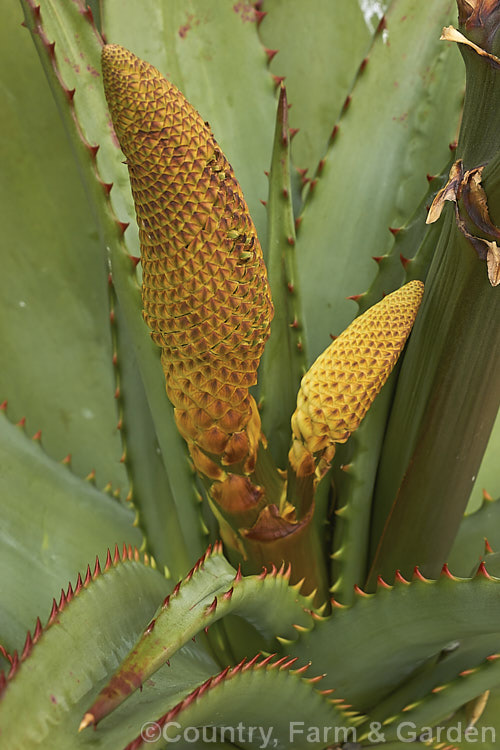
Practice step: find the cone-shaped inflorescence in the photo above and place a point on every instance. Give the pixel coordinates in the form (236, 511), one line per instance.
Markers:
(205, 290)
(341, 385)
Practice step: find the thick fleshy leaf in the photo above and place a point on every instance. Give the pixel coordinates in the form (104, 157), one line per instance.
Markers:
(403, 114)
(448, 396)
(400, 627)
(285, 360)
(425, 480)
(81, 645)
(53, 523)
(54, 308)
(73, 64)
(444, 699)
(356, 463)
(450, 732)
(487, 726)
(319, 50)
(212, 589)
(488, 478)
(355, 468)
(469, 545)
(240, 698)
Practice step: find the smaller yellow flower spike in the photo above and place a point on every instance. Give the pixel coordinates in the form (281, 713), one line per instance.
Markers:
(205, 290)
(341, 385)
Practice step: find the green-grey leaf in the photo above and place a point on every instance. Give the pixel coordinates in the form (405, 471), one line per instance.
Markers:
(78, 60)
(54, 308)
(469, 543)
(320, 48)
(284, 360)
(78, 651)
(152, 487)
(403, 114)
(488, 726)
(444, 699)
(211, 590)
(400, 627)
(425, 480)
(354, 476)
(53, 525)
(488, 477)
(264, 695)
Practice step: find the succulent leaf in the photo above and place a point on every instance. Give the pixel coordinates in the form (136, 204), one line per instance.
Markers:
(407, 101)
(244, 691)
(354, 474)
(487, 727)
(51, 253)
(400, 626)
(320, 51)
(49, 556)
(411, 651)
(452, 732)
(148, 475)
(210, 591)
(120, 599)
(70, 50)
(468, 546)
(444, 699)
(356, 462)
(285, 358)
(205, 290)
(438, 413)
(458, 302)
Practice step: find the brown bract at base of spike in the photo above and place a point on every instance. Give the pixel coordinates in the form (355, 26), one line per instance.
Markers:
(205, 290)
(472, 216)
(279, 537)
(479, 14)
(238, 499)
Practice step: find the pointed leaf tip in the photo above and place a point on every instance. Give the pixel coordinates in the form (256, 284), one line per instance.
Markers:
(87, 720)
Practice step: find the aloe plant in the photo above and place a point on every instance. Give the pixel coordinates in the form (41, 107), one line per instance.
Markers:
(271, 567)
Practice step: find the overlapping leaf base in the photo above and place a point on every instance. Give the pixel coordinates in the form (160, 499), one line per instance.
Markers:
(205, 290)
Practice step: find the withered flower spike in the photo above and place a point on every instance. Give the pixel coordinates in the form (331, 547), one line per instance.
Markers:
(205, 290)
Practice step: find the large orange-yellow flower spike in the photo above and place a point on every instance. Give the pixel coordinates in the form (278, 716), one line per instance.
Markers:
(341, 385)
(205, 289)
